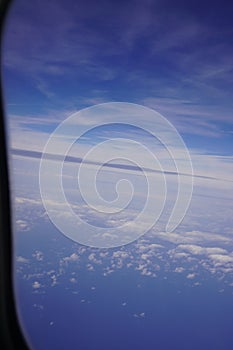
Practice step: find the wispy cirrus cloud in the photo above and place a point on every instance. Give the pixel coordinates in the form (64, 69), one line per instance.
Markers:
(157, 49)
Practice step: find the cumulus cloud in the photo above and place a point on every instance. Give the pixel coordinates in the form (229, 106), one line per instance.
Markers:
(198, 250)
(222, 260)
(72, 258)
(179, 269)
(191, 276)
(21, 259)
(189, 237)
(36, 285)
(22, 225)
(38, 255)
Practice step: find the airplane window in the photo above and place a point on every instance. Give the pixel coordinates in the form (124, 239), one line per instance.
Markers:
(119, 129)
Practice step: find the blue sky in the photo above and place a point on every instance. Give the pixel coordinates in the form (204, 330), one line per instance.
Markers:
(172, 56)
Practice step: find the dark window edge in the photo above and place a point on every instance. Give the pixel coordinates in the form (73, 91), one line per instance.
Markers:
(11, 336)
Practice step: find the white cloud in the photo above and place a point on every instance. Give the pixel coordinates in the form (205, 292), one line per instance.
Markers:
(22, 225)
(188, 237)
(73, 280)
(191, 276)
(179, 269)
(72, 258)
(219, 259)
(198, 250)
(22, 260)
(36, 285)
(38, 255)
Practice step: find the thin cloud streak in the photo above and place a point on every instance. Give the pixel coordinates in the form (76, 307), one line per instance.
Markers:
(76, 160)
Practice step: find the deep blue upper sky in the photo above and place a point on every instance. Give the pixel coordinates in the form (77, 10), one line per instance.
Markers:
(173, 56)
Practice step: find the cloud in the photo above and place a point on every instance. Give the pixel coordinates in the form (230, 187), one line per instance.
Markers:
(53, 280)
(179, 269)
(139, 315)
(195, 237)
(222, 260)
(191, 276)
(38, 255)
(148, 259)
(206, 120)
(76, 160)
(22, 225)
(21, 259)
(36, 285)
(72, 258)
(73, 44)
(198, 250)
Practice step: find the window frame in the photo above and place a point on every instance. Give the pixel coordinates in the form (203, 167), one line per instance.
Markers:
(11, 336)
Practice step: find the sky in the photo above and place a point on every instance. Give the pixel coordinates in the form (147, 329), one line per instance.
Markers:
(171, 56)
(162, 66)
